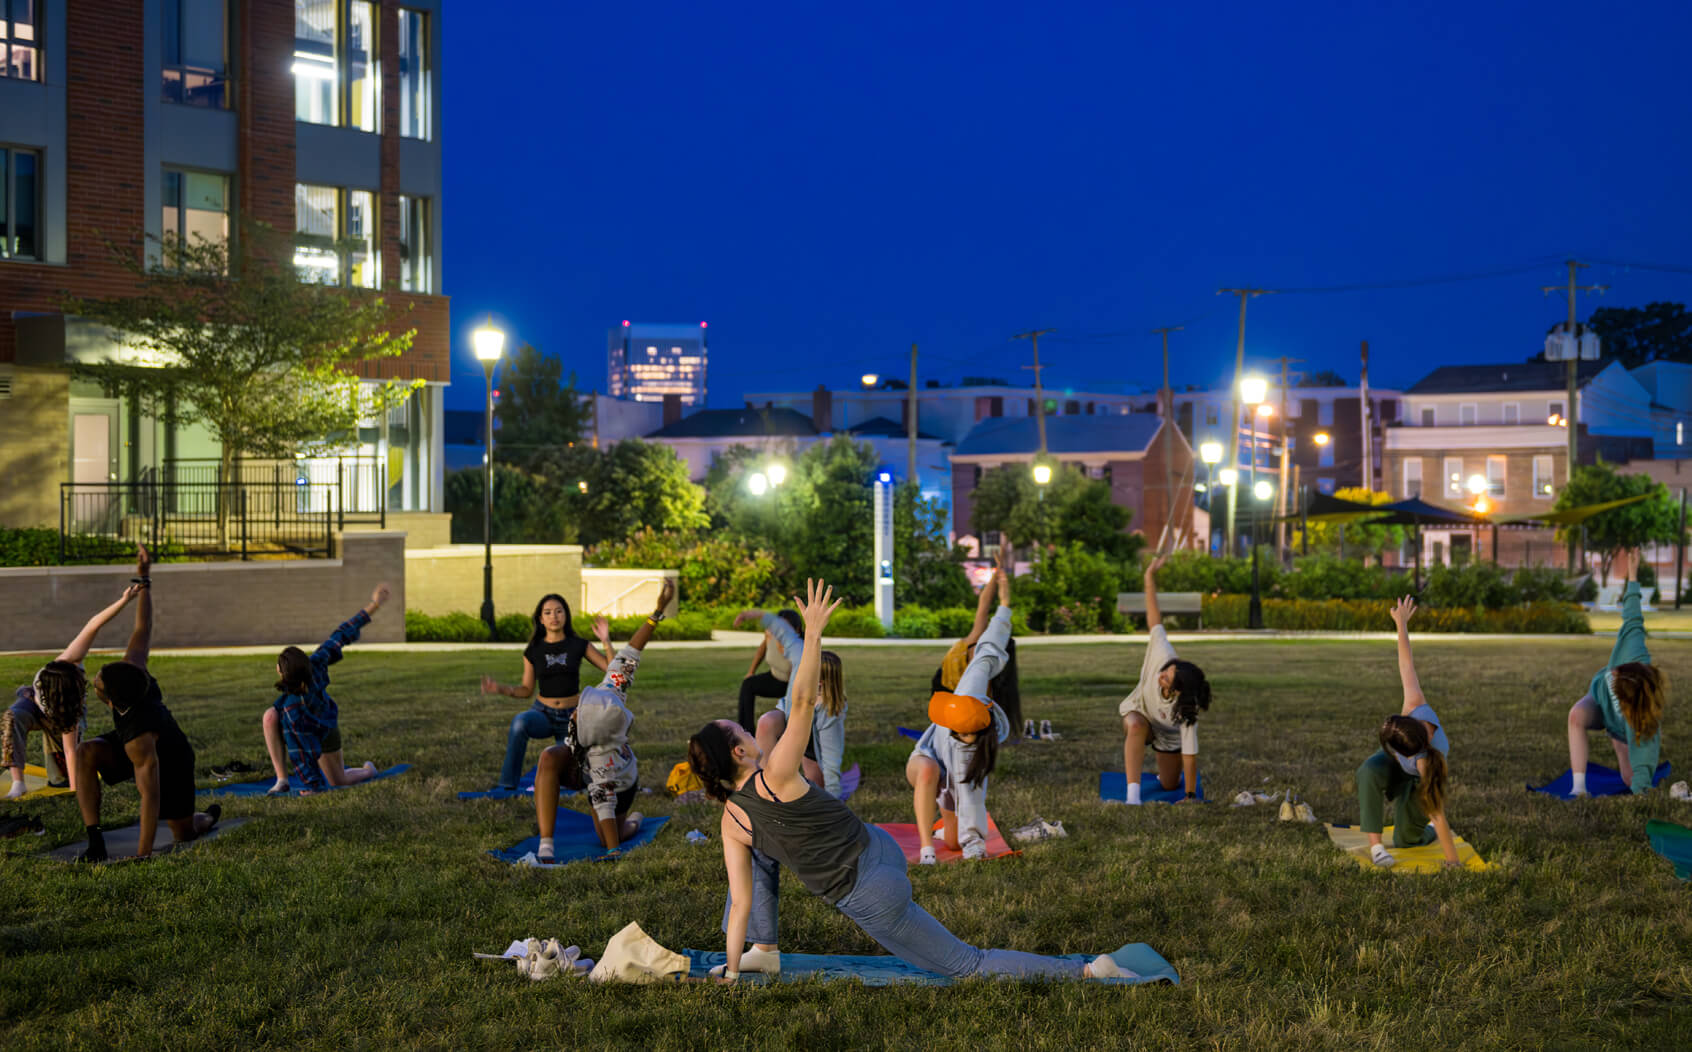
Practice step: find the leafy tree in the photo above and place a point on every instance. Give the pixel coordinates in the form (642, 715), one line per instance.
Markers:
(927, 570)
(1322, 378)
(525, 510)
(715, 570)
(830, 534)
(1087, 517)
(631, 485)
(537, 411)
(1072, 508)
(1655, 520)
(1637, 335)
(239, 344)
(1357, 538)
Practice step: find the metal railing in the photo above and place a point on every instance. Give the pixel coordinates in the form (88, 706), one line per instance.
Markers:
(102, 521)
(360, 482)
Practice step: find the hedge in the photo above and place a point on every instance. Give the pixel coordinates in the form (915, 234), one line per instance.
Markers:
(1374, 615)
(515, 628)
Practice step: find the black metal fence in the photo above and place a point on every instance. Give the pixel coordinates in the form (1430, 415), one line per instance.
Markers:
(103, 521)
(360, 483)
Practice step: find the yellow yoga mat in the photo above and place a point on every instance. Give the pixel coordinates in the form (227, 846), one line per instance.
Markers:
(33, 775)
(1425, 859)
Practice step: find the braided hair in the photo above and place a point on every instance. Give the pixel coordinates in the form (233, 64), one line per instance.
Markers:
(61, 691)
(1190, 689)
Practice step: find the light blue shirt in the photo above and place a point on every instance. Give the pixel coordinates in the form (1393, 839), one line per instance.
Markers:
(1438, 742)
(827, 732)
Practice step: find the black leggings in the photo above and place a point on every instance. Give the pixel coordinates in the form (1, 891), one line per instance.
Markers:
(763, 685)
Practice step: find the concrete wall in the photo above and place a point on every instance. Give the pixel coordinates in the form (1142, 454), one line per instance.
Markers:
(448, 580)
(36, 447)
(615, 593)
(213, 604)
(423, 529)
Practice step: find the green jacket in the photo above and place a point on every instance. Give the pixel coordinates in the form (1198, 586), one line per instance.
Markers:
(1630, 646)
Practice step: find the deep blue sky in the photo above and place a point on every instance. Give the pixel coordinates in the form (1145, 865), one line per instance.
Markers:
(827, 184)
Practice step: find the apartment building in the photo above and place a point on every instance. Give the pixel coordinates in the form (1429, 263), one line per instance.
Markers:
(1324, 431)
(121, 118)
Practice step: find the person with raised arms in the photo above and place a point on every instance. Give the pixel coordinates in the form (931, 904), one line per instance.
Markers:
(771, 684)
(1163, 706)
(552, 672)
(825, 748)
(1626, 699)
(773, 816)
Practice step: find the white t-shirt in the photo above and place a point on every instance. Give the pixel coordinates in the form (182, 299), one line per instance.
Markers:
(1168, 733)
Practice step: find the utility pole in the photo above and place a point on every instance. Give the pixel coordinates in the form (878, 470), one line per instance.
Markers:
(1573, 417)
(1166, 409)
(1033, 337)
(1234, 420)
(911, 422)
(1281, 493)
(1367, 412)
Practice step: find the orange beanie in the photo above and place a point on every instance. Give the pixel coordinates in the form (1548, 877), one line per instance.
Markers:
(959, 712)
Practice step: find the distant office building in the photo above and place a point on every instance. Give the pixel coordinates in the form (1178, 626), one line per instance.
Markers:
(648, 361)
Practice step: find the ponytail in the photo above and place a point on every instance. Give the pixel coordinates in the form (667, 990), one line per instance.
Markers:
(1408, 736)
(985, 757)
(1432, 791)
(711, 755)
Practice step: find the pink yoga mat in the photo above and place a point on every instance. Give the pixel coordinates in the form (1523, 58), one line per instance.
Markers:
(905, 833)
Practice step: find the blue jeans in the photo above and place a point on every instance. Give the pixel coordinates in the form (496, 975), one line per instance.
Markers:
(880, 903)
(537, 721)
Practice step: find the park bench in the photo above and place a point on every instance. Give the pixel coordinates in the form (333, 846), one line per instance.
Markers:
(1168, 602)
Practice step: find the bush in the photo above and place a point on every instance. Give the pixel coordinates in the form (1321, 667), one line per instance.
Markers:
(687, 624)
(1477, 584)
(955, 621)
(447, 628)
(1078, 619)
(1588, 590)
(1070, 576)
(714, 570)
(1374, 615)
(1330, 577)
(513, 628)
(1190, 571)
(856, 623)
(1540, 584)
(40, 547)
(913, 622)
(1646, 575)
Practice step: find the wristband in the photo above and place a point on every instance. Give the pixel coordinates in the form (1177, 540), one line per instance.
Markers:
(142, 581)
(653, 619)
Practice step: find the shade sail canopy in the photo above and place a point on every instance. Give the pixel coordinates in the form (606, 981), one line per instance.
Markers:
(1573, 516)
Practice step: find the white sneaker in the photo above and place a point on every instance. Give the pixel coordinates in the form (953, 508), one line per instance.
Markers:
(1105, 967)
(1046, 729)
(1304, 813)
(1287, 812)
(540, 964)
(1053, 830)
(1028, 730)
(1680, 791)
(1245, 799)
(1381, 857)
(927, 858)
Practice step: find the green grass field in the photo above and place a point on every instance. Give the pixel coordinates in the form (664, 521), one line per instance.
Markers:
(348, 919)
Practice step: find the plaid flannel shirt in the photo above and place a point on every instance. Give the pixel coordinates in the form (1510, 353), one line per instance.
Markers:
(306, 718)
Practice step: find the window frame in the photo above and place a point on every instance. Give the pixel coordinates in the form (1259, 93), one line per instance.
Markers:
(1544, 487)
(166, 69)
(341, 240)
(1555, 408)
(1471, 410)
(1512, 413)
(1495, 487)
(1448, 485)
(8, 203)
(420, 231)
(1406, 475)
(37, 43)
(169, 170)
(1429, 416)
(425, 120)
(341, 60)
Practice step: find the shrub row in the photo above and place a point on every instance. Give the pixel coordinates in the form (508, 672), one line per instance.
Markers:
(40, 547)
(516, 628)
(1374, 615)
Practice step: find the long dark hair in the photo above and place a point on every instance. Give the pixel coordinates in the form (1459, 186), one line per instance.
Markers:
(711, 755)
(539, 634)
(1408, 737)
(294, 671)
(1004, 688)
(794, 620)
(985, 757)
(61, 693)
(1192, 690)
(1640, 691)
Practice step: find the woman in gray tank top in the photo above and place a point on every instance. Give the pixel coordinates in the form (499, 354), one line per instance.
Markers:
(773, 816)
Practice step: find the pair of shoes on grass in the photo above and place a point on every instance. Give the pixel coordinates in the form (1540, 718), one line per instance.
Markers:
(1039, 829)
(1043, 732)
(1291, 812)
(1680, 791)
(546, 959)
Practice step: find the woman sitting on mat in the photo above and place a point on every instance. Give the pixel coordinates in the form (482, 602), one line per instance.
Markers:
(1626, 699)
(1409, 770)
(1004, 689)
(595, 754)
(304, 721)
(772, 817)
(1163, 706)
(552, 665)
(951, 761)
(771, 684)
(825, 749)
(55, 702)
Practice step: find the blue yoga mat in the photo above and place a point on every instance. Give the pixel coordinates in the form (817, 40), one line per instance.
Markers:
(1113, 788)
(885, 971)
(1600, 781)
(850, 779)
(260, 788)
(574, 839)
(525, 787)
(907, 732)
(1673, 842)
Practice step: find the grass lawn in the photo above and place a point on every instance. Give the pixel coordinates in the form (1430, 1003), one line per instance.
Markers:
(349, 919)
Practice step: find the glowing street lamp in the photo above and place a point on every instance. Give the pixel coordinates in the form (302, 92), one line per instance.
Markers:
(1210, 452)
(488, 343)
(777, 473)
(1477, 484)
(757, 484)
(869, 379)
(1253, 390)
(1321, 438)
(1042, 474)
(1262, 489)
(1227, 476)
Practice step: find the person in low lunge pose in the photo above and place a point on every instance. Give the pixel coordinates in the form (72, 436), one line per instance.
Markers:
(1163, 706)
(1626, 699)
(772, 816)
(1409, 770)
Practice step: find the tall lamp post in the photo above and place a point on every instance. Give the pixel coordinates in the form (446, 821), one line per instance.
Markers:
(1261, 491)
(489, 343)
(1211, 454)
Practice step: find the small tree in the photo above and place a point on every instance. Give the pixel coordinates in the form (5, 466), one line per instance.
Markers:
(1654, 520)
(927, 570)
(538, 412)
(238, 343)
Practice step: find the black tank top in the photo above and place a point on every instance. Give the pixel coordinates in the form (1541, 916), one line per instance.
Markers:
(816, 836)
(558, 666)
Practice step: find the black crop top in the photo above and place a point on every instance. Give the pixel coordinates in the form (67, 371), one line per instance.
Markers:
(558, 666)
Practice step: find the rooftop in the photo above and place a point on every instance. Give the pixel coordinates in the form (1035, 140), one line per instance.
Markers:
(728, 423)
(1131, 432)
(1512, 376)
(881, 427)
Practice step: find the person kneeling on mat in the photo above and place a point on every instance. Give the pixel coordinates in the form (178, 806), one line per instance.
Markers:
(951, 761)
(1409, 769)
(772, 816)
(1626, 699)
(595, 754)
(146, 745)
(306, 718)
(1163, 706)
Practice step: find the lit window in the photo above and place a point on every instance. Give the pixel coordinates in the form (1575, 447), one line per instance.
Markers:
(416, 265)
(20, 40)
(335, 66)
(1680, 432)
(1413, 477)
(196, 208)
(20, 203)
(1495, 476)
(364, 73)
(335, 235)
(1542, 476)
(414, 74)
(195, 49)
(1454, 477)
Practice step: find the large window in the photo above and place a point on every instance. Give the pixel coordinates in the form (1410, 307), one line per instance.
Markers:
(335, 236)
(20, 39)
(195, 50)
(1542, 476)
(337, 75)
(1495, 476)
(1412, 477)
(20, 203)
(415, 259)
(414, 73)
(196, 206)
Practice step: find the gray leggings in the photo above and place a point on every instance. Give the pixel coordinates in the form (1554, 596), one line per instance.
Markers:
(880, 903)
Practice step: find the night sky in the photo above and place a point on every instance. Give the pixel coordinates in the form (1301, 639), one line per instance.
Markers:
(827, 184)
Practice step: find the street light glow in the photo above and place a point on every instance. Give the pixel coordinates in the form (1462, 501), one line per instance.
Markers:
(869, 379)
(488, 341)
(1321, 438)
(1210, 452)
(884, 477)
(1265, 409)
(1263, 490)
(1227, 476)
(1477, 484)
(1042, 474)
(777, 473)
(757, 483)
(1253, 390)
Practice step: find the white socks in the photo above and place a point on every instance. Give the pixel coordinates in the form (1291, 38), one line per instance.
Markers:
(766, 961)
(927, 858)
(1380, 856)
(1133, 793)
(1104, 967)
(18, 789)
(1579, 786)
(545, 849)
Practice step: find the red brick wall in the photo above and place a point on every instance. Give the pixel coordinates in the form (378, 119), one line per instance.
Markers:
(264, 94)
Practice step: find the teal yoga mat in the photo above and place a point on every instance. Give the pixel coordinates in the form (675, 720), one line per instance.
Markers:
(1137, 957)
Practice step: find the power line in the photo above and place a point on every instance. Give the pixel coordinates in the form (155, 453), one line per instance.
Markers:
(1443, 279)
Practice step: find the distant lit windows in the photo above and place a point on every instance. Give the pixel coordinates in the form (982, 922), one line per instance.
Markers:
(335, 236)
(1454, 477)
(335, 65)
(196, 207)
(414, 74)
(1542, 476)
(20, 203)
(20, 39)
(1495, 476)
(416, 262)
(195, 50)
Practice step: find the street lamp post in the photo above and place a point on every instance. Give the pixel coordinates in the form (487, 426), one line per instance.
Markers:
(1261, 491)
(489, 343)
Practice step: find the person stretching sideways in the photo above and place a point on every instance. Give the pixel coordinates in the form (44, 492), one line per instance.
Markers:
(1163, 706)
(595, 754)
(1626, 699)
(771, 684)
(146, 745)
(1409, 769)
(772, 816)
(306, 719)
(1005, 688)
(825, 750)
